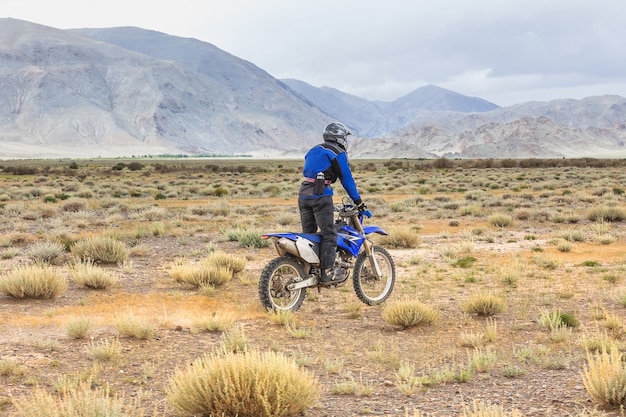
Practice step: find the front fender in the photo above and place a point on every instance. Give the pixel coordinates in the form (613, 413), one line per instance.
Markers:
(374, 229)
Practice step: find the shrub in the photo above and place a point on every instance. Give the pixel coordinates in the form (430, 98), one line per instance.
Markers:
(152, 214)
(484, 304)
(464, 262)
(205, 273)
(500, 220)
(86, 273)
(481, 409)
(246, 238)
(482, 360)
(135, 166)
(220, 192)
(244, 384)
(216, 322)
(408, 313)
(45, 252)
(133, 326)
(105, 349)
(236, 264)
(73, 206)
(78, 328)
(33, 281)
(557, 319)
(79, 402)
(400, 238)
(604, 377)
(606, 214)
(101, 249)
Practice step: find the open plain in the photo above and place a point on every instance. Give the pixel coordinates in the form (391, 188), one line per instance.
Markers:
(544, 238)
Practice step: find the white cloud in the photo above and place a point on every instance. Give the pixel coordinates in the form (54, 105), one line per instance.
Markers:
(503, 51)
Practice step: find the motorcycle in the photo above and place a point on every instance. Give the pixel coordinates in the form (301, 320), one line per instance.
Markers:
(285, 279)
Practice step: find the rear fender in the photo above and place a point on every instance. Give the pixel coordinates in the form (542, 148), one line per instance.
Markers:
(303, 246)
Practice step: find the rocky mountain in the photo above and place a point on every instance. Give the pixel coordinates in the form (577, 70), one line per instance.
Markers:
(591, 127)
(63, 93)
(130, 91)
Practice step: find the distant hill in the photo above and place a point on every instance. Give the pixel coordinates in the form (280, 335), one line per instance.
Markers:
(64, 93)
(131, 91)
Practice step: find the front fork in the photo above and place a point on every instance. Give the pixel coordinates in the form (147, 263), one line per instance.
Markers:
(373, 262)
(369, 251)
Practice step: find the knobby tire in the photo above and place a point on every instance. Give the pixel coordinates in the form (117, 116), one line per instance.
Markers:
(368, 287)
(276, 275)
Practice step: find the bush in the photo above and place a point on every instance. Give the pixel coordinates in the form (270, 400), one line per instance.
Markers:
(244, 384)
(33, 282)
(45, 252)
(481, 409)
(80, 402)
(234, 263)
(500, 220)
(86, 273)
(100, 249)
(78, 328)
(408, 313)
(133, 326)
(484, 304)
(606, 214)
(404, 238)
(214, 270)
(247, 238)
(604, 377)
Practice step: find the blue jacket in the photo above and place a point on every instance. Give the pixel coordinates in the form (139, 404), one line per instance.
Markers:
(332, 160)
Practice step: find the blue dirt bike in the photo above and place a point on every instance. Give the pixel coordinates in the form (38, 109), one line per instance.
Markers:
(284, 280)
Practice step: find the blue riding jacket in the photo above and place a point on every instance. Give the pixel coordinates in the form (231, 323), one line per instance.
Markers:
(332, 160)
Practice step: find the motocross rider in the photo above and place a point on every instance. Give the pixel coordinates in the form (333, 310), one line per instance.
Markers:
(323, 165)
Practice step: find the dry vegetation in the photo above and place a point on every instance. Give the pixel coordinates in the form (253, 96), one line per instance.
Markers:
(128, 287)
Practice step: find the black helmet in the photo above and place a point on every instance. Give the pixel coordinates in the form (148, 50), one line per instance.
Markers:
(337, 132)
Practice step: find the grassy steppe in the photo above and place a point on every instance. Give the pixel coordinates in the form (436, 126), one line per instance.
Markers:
(521, 263)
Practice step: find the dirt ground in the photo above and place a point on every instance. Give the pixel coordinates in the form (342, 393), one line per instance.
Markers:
(367, 348)
(346, 342)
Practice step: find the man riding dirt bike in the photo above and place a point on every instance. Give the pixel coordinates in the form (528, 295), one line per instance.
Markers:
(324, 164)
(326, 259)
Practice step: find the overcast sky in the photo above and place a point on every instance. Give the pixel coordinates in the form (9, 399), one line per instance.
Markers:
(505, 51)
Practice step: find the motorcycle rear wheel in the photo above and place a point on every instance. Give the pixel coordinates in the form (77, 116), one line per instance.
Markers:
(371, 289)
(276, 275)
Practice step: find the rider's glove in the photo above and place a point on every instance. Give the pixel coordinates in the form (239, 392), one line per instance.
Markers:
(361, 207)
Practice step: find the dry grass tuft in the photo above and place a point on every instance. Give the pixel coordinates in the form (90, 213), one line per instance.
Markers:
(484, 303)
(604, 376)
(500, 220)
(79, 327)
(408, 313)
(105, 349)
(86, 273)
(400, 238)
(80, 402)
(482, 409)
(103, 249)
(132, 326)
(214, 270)
(33, 281)
(216, 322)
(235, 264)
(246, 384)
(45, 252)
(606, 213)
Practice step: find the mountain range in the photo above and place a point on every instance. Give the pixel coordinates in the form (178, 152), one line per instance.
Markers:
(130, 91)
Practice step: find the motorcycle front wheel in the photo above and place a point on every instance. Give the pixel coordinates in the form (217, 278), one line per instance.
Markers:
(368, 286)
(275, 278)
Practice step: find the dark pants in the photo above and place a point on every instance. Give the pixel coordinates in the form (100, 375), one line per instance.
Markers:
(318, 212)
